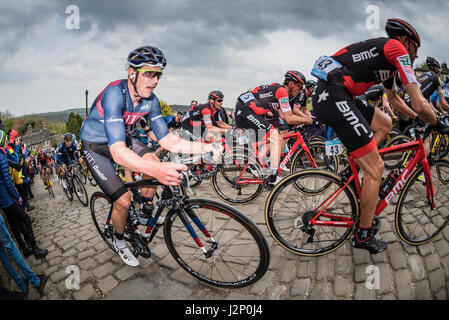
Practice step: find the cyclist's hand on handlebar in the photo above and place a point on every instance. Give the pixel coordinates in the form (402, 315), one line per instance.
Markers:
(440, 127)
(169, 174)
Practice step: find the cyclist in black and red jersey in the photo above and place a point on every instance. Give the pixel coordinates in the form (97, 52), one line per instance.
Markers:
(430, 82)
(300, 101)
(273, 99)
(43, 162)
(350, 72)
(199, 120)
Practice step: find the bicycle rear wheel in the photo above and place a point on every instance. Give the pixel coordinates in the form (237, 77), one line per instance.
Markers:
(416, 223)
(237, 253)
(80, 190)
(289, 212)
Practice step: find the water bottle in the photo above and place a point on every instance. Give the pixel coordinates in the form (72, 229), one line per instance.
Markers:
(388, 182)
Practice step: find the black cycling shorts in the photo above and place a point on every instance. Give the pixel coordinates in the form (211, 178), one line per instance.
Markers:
(100, 163)
(335, 106)
(258, 127)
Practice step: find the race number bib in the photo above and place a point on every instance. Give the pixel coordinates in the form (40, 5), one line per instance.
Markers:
(247, 97)
(323, 66)
(334, 147)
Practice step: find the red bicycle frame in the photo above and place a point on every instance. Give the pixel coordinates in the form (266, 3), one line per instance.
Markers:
(347, 222)
(287, 157)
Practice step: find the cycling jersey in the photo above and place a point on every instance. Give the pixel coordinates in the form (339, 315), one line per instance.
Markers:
(300, 99)
(359, 66)
(253, 105)
(351, 72)
(43, 160)
(195, 120)
(429, 83)
(113, 115)
(67, 154)
(199, 116)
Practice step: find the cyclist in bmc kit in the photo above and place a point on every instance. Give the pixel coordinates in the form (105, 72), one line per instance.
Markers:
(115, 111)
(273, 99)
(430, 82)
(200, 119)
(350, 72)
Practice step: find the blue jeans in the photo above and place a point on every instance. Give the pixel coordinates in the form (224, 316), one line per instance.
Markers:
(8, 244)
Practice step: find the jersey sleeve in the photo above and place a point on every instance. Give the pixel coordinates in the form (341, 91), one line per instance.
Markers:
(113, 102)
(157, 123)
(283, 100)
(398, 56)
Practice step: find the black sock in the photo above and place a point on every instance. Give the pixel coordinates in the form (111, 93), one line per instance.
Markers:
(119, 236)
(363, 234)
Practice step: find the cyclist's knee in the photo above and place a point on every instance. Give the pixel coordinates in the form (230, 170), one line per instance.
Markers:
(123, 203)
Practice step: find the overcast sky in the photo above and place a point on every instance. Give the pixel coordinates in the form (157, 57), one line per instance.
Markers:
(47, 63)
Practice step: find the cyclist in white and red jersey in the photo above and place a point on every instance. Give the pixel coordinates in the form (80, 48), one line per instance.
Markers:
(350, 72)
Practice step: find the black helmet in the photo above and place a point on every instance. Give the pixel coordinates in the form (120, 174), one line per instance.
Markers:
(295, 76)
(68, 136)
(398, 27)
(432, 63)
(311, 84)
(215, 95)
(146, 56)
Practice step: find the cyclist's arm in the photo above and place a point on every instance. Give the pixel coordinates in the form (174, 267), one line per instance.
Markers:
(399, 104)
(165, 172)
(285, 111)
(386, 106)
(443, 103)
(419, 104)
(207, 119)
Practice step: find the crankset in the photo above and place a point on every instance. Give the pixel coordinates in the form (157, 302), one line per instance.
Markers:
(140, 247)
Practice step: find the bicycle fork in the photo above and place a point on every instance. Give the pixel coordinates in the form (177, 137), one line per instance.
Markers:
(183, 213)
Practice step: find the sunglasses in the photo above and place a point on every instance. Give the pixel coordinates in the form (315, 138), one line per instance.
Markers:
(148, 73)
(218, 100)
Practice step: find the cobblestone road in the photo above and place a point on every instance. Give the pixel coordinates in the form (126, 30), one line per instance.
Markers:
(67, 231)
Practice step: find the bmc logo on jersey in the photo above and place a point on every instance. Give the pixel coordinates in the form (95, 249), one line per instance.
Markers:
(365, 55)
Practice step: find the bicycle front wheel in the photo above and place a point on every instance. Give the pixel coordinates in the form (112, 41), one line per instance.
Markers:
(235, 253)
(80, 191)
(416, 222)
(67, 189)
(299, 218)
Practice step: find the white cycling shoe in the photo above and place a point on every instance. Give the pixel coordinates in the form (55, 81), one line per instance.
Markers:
(127, 256)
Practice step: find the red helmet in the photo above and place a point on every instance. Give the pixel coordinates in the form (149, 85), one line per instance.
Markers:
(41, 151)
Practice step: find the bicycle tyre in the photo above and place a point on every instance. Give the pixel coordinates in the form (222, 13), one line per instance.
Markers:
(289, 212)
(68, 191)
(317, 150)
(396, 160)
(224, 182)
(413, 206)
(443, 147)
(236, 235)
(91, 179)
(99, 214)
(84, 200)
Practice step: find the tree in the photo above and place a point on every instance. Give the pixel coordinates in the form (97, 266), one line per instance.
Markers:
(165, 108)
(73, 124)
